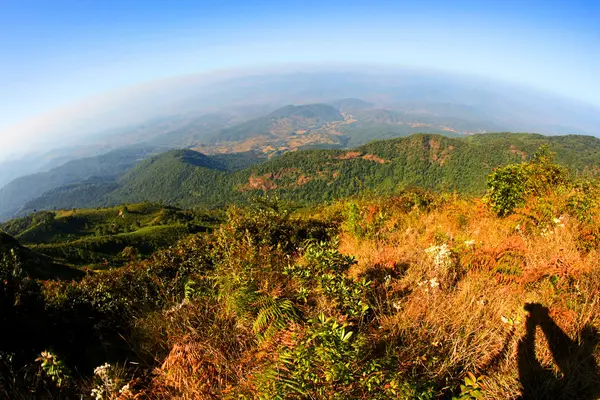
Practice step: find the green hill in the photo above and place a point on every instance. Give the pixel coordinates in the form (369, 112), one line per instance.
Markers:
(180, 177)
(35, 265)
(100, 236)
(85, 181)
(21, 190)
(186, 178)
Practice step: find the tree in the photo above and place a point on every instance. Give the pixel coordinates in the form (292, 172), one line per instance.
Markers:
(511, 185)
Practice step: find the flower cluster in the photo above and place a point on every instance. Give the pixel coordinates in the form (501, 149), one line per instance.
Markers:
(559, 222)
(440, 255)
(469, 243)
(108, 384)
(432, 283)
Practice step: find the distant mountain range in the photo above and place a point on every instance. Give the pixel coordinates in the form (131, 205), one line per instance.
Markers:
(187, 178)
(213, 114)
(289, 128)
(242, 125)
(21, 190)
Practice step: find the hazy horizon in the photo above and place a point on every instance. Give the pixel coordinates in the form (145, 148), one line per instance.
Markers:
(66, 60)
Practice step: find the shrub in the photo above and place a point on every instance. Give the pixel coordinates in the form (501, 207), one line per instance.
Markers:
(511, 185)
(329, 361)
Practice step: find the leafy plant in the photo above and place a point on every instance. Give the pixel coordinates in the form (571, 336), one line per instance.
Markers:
(509, 186)
(471, 388)
(54, 368)
(273, 314)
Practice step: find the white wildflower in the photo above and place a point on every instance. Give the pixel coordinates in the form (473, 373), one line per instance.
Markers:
(125, 389)
(440, 255)
(434, 283)
(510, 321)
(97, 394)
(387, 279)
(469, 243)
(102, 371)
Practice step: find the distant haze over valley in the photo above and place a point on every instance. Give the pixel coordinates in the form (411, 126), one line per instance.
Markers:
(253, 118)
(485, 104)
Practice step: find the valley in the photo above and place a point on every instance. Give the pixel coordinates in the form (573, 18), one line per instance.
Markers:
(378, 292)
(188, 179)
(278, 237)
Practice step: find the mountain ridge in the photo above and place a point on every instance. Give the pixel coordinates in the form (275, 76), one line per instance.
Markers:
(424, 160)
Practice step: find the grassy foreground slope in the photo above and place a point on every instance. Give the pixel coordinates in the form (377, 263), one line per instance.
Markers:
(412, 296)
(33, 264)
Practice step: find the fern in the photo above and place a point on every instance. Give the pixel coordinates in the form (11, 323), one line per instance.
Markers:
(273, 315)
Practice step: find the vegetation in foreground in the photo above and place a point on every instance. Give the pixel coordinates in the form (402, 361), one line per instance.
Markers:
(416, 296)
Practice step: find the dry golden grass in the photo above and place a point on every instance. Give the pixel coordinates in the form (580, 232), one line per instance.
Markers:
(443, 315)
(476, 324)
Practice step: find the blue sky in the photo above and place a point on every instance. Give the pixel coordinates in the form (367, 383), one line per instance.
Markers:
(53, 53)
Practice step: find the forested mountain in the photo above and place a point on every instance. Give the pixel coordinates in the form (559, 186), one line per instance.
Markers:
(187, 178)
(286, 129)
(264, 301)
(21, 190)
(220, 115)
(344, 123)
(283, 122)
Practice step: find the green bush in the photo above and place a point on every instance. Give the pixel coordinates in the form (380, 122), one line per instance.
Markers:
(511, 185)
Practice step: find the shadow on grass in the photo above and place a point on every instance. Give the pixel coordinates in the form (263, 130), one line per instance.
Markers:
(579, 375)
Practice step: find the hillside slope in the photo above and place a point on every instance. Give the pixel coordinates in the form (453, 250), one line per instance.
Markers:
(282, 122)
(21, 190)
(34, 265)
(100, 236)
(85, 181)
(187, 178)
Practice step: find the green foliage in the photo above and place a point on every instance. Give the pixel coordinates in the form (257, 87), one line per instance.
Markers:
(511, 185)
(507, 188)
(353, 220)
(325, 273)
(273, 315)
(471, 388)
(54, 368)
(331, 361)
(583, 200)
(327, 345)
(267, 222)
(18, 288)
